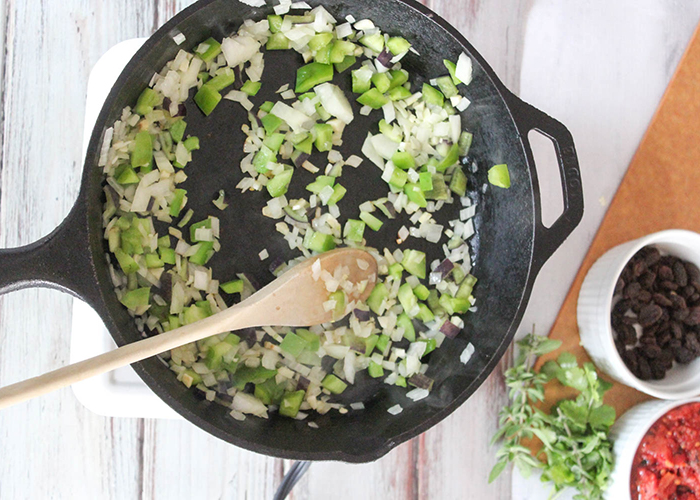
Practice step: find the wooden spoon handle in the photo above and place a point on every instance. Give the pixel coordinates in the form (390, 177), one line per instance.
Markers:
(234, 318)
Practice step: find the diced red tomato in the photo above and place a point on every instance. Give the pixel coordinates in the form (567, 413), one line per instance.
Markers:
(667, 463)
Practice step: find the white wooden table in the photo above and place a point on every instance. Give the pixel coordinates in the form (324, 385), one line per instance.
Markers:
(599, 68)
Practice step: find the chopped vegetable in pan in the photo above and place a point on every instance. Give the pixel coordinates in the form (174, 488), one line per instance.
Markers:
(159, 247)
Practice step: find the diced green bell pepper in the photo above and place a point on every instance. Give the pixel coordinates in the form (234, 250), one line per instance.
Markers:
(251, 88)
(466, 287)
(375, 370)
(153, 261)
(126, 262)
(207, 98)
(381, 81)
(374, 42)
(191, 143)
(274, 141)
(231, 287)
(136, 298)
(452, 69)
(278, 41)
(340, 50)
(425, 181)
(177, 130)
(399, 94)
(379, 293)
(311, 75)
(271, 123)
(293, 344)
(421, 292)
(346, 63)
(205, 251)
(458, 184)
(369, 219)
(383, 343)
(320, 41)
(415, 194)
(338, 194)
(269, 392)
(262, 158)
(397, 45)
(278, 185)
(142, 154)
(215, 355)
(499, 176)
(321, 182)
(424, 313)
(291, 401)
(334, 384)
(213, 50)
(167, 255)
(407, 299)
(398, 77)
(447, 87)
(128, 176)
(403, 160)
(313, 342)
(450, 158)
(148, 99)
(223, 78)
(414, 262)
(373, 98)
(324, 137)
(354, 230)
(409, 332)
(275, 23)
(361, 80)
(431, 95)
(177, 202)
(318, 242)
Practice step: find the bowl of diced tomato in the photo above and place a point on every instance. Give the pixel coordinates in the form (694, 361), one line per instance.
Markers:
(657, 452)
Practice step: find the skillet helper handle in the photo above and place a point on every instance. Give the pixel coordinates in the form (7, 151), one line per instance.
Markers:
(548, 239)
(60, 260)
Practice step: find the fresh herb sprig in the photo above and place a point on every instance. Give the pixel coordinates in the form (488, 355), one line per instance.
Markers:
(576, 450)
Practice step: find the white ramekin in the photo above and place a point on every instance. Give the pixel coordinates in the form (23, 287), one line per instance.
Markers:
(595, 304)
(626, 435)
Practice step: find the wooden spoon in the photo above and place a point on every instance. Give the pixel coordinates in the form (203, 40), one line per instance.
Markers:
(293, 299)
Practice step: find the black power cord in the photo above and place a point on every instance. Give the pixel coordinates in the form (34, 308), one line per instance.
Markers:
(291, 478)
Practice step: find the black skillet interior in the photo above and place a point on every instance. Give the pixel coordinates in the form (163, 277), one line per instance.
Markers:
(504, 249)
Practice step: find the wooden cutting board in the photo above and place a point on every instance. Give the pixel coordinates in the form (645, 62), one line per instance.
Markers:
(661, 190)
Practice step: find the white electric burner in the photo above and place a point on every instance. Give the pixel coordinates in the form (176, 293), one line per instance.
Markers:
(120, 393)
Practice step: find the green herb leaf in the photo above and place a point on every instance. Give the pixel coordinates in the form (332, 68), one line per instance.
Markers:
(576, 450)
(497, 469)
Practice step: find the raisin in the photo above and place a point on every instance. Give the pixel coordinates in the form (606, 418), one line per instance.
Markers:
(680, 273)
(644, 368)
(632, 290)
(661, 300)
(619, 286)
(683, 355)
(650, 314)
(665, 273)
(678, 301)
(692, 344)
(669, 285)
(666, 358)
(658, 371)
(693, 317)
(651, 351)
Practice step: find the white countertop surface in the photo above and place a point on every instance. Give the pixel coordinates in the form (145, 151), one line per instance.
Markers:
(599, 67)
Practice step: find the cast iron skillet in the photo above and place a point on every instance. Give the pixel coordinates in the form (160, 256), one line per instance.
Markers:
(509, 249)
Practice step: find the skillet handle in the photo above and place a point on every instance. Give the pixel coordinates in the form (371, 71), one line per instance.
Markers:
(547, 240)
(61, 260)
